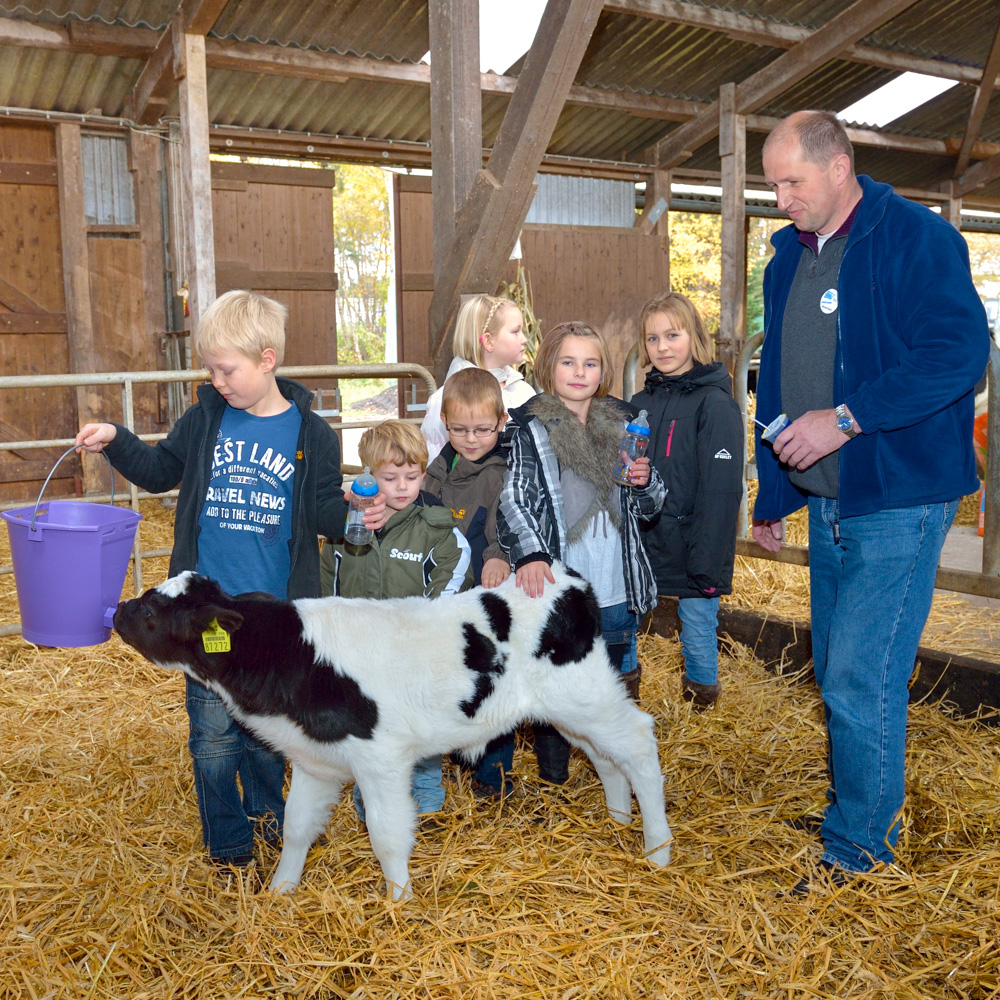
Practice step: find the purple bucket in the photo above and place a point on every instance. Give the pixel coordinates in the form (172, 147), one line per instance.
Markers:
(70, 560)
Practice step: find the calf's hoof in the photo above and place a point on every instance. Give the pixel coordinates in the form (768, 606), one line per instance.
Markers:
(284, 887)
(661, 855)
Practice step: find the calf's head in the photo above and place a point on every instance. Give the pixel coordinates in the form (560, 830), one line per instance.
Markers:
(169, 623)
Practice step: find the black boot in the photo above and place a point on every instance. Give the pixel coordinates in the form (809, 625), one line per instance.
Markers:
(552, 752)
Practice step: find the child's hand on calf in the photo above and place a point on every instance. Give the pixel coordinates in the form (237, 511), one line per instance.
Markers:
(495, 571)
(531, 577)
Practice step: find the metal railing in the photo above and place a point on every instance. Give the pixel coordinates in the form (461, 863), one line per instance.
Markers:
(983, 584)
(128, 380)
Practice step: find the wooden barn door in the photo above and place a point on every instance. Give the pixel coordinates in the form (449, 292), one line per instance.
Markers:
(413, 240)
(32, 304)
(274, 235)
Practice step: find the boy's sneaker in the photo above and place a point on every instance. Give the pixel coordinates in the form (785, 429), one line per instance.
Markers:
(233, 860)
(701, 696)
(491, 793)
(825, 875)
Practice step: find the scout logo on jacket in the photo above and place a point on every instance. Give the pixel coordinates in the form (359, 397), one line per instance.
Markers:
(395, 553)
(722, 453)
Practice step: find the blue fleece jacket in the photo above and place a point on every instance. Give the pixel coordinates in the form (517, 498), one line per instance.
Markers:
(912, 342)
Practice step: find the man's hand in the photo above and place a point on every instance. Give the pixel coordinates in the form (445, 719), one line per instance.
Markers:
(767, 534)
(531, 577)
(812, 437)
(495, 571)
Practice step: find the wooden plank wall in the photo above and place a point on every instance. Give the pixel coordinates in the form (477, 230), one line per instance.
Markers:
(125, 284)
(274, 235)
(601, 276)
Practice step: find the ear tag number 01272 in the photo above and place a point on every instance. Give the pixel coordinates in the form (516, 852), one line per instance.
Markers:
(216, 639)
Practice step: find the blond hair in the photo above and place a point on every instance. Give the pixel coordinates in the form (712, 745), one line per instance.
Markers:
(548, 355)
(393, 441)
(684, 313)
(242, 321)
(479, 315)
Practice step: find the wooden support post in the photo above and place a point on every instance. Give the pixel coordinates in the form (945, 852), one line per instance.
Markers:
(76, 283)
(951, 208)
(456, 115)
(147, 177)
(197, 175)
(491, 218)
(733, 293)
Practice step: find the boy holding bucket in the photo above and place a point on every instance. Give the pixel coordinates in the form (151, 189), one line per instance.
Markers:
(259, 477)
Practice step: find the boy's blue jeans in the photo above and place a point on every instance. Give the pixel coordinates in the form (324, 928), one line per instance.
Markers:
(618, 630)
(699, 638)
(871, 581)
(221, 749)
(426, 788)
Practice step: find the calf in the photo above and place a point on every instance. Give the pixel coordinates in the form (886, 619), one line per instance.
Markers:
(363, 689)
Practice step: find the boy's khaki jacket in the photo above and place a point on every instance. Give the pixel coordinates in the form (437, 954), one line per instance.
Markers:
(419, 553)
(472, 491)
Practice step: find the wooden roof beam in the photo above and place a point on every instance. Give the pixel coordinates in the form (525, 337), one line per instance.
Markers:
(158, 79)
(977, 176)
(978, 111)
(781, 35)
(858, 20)
(491, 218)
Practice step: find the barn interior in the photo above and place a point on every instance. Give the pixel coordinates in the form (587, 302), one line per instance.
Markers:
(117, 228)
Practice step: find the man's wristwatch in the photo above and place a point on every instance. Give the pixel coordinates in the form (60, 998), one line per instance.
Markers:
(845, 422)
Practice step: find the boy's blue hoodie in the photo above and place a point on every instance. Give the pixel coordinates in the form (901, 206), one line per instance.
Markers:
(912, 341)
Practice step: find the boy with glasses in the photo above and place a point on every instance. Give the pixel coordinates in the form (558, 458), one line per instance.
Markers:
(467, 476)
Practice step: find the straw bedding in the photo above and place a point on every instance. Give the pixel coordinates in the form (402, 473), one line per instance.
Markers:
(104, 892)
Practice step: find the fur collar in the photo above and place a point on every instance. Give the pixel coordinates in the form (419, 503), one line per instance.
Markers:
(588, 450)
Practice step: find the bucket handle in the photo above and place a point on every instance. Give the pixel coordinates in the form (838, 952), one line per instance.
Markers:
(71, 448)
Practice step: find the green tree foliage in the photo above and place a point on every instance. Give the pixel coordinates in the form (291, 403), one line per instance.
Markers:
(363, 247)
(696, 262)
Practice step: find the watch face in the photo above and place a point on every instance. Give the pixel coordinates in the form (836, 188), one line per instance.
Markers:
(844, 424)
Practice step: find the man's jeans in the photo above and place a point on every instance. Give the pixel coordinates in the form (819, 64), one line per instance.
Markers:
(699, 639)
(871, 580)
(220, 749)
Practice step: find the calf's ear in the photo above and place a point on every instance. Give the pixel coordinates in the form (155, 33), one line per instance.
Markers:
(199, 619)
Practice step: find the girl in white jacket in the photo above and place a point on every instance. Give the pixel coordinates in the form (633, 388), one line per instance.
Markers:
(489, 333)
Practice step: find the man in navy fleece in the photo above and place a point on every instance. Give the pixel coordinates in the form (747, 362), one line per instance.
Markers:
(874, 340)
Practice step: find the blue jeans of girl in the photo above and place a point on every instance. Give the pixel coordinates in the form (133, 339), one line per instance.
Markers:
(699, 638)
(871, 580)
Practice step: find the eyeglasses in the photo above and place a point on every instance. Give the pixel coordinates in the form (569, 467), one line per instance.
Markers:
(479, 432)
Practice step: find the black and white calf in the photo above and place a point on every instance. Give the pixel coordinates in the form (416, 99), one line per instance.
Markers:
(363, 689)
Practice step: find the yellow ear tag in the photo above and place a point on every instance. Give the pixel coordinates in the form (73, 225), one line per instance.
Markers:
(216, 639)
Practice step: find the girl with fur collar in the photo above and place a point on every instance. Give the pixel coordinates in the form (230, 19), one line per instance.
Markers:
(560, 501)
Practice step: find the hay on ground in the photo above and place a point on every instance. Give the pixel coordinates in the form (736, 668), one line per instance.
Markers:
(105, 892)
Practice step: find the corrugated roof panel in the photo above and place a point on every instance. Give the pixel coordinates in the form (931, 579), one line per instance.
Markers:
(387, 30)
(582, 201)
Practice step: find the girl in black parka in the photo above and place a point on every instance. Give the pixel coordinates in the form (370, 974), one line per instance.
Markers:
(696, 444)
